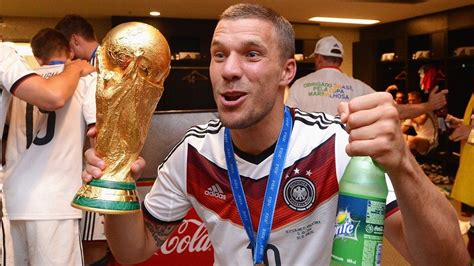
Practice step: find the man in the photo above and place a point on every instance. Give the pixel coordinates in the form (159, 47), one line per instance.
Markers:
(44, 164)
(47, 94)
(323, 90)
(252, 63)
(426, 131)
(84, 44)
(80, 34)
(400, 97)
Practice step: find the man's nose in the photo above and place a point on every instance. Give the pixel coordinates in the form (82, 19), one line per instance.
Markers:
(232, 67)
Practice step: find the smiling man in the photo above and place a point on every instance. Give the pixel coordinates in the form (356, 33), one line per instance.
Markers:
(258, 141)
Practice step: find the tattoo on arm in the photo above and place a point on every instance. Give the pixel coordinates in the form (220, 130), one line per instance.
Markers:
(160, 232)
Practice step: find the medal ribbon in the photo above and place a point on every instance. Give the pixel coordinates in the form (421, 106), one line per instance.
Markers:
(271, 192)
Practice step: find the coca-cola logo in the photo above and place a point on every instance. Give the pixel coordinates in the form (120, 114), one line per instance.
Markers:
(182, 240)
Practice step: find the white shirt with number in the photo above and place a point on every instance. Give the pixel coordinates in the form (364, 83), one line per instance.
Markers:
(44, 154)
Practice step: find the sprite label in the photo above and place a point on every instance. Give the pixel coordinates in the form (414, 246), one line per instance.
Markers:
(359, 231)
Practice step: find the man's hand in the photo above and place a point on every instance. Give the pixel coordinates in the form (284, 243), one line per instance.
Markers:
(374, 129)
(84, 67)
(460, 133)
(95, 165)
(436, 99)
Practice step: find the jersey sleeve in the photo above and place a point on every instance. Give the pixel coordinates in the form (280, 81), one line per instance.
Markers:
(167, 200)
(89, 105)
(12, 68)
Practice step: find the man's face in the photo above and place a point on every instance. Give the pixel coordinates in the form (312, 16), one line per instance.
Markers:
(413, 98)
(400, 98)
(246, 71)
(77, 46)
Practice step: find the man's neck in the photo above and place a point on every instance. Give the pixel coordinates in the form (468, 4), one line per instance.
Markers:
(256, 139)
(56, 59)
(90, 48)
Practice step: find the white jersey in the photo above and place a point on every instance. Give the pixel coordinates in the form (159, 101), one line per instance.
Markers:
(323, 90)
(44, 154)
(12, 70)
(195, 175)
(426, 130)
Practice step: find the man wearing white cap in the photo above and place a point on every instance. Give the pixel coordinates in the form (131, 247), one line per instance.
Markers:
(322, 90)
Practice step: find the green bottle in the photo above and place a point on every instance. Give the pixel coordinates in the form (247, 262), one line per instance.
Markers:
(360, 214)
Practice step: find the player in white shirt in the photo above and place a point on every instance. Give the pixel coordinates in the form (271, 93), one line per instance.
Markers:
(195, 173)
(16, 79)
(425, 126)
(44, 163)
(252, 62)
(324, 89)
(83, 41)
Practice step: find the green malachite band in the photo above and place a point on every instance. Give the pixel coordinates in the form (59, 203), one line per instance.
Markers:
(105, 204)
(113, 184)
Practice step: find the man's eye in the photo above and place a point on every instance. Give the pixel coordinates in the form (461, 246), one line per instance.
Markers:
(252, 54)
(218, 55)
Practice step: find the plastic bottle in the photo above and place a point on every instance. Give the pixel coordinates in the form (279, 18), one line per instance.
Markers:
(360, 214)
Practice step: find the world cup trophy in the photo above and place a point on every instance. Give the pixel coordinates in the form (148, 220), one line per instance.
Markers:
(133, 63)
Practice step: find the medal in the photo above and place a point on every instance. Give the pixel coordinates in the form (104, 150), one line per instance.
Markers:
(259, 242)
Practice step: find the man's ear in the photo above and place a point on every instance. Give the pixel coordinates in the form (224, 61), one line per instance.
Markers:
(288, 73)
(70, 54)
(75, 40)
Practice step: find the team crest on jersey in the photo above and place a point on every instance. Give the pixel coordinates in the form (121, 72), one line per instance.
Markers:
(299, 193)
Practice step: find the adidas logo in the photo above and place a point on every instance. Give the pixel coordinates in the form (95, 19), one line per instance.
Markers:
(215, 191)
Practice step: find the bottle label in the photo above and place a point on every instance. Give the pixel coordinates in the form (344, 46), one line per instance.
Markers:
(359, 231)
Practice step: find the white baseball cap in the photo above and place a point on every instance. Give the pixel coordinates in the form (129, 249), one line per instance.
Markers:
(329, 46)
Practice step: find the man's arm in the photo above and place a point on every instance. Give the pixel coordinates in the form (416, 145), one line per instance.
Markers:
(131, 237)
(134, 239)
(436, 100)
(51, 94)
(426, 231)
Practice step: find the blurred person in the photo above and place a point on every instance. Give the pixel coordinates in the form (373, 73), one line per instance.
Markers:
(81, 36)
(44, 164)
(400, 97)
(425, 128)
(324, 89)
(17, 81)
(252, 63)
(463, 188)
(84, 44)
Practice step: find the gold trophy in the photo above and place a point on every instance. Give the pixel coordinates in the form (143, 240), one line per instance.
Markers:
(134, 61)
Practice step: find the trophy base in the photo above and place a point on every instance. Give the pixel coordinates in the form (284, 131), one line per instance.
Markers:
(107, 197)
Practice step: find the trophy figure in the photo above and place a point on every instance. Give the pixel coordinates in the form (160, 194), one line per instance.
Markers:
(133, 63)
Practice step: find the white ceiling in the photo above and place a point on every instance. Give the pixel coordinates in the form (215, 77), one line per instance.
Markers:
(293, 10)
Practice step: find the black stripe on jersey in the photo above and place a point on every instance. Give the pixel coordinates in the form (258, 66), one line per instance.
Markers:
(88, 226)
(212, 127)
(392, 206)
(317, 115)
(4, 248)
(147, 215)
(320, 119)
(19, 81)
